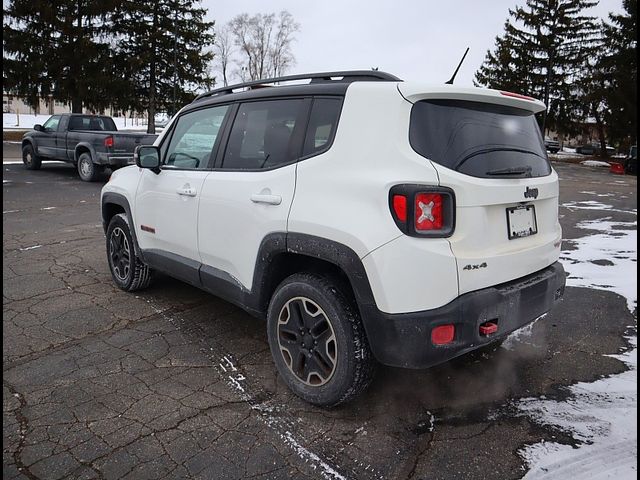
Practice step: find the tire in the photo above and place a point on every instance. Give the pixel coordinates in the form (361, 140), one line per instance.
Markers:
(30, 159)
(88, 171)
(127, 270)
(308, 312)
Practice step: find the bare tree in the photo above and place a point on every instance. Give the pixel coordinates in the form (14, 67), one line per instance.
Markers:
(264, 42)
(223, 47)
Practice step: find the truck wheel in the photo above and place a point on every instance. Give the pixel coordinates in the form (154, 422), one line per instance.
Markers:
(89, 171)
(318, 342)
(127, 270)
(30, 159)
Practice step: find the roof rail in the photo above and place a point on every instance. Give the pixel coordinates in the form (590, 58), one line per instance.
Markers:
(345, 76)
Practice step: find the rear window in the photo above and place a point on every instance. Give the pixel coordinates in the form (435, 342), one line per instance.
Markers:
(479, 139)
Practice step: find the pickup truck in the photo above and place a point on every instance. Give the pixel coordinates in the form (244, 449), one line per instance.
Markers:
(90, 142)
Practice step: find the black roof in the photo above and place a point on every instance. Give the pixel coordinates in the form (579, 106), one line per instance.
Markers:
(324, 83)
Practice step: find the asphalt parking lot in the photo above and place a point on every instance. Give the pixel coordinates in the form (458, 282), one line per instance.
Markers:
(174, 383)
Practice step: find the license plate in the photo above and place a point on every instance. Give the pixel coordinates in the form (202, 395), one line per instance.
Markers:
(521, 221)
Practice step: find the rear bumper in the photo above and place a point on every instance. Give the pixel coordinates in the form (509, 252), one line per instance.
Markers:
(404, 340)
(114, 160)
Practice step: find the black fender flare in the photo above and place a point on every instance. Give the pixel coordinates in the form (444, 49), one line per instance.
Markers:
(340, 255)
(120, 200)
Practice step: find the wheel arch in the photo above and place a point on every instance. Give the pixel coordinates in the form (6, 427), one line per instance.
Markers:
(282, 255)
(28, 141)
(113, 204)
(84, 147)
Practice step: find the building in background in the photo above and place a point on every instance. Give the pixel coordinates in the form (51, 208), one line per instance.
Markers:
(49, 106)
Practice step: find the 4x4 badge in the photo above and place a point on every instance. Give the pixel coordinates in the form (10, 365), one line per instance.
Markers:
(531, 193)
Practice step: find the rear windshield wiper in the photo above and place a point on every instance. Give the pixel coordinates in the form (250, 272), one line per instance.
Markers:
(524, 170)
(494, 149)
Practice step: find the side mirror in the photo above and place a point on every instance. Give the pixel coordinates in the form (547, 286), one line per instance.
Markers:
(38, 127)
(147, 156)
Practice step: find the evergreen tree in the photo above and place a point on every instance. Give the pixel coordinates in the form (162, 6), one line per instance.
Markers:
(619, 64)
(542, 53)
(161, 54)
(58, 48)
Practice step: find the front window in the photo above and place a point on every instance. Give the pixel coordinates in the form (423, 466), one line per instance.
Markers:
(51, 125)
(194, 137)
(479, 139)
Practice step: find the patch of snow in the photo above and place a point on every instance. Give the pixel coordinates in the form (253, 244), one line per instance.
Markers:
(30, 248)
(601, 415)
(27, 121)
(520, 335)
(595, 205)
(594, 163)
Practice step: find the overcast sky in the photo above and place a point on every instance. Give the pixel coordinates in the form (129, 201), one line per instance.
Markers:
(415, 40)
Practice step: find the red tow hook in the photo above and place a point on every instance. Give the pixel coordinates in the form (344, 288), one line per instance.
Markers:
(488, 328)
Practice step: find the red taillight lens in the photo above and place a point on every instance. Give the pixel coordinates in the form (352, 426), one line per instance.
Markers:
(108, 142)
(428, 212)
(443, 334)
(400, 207)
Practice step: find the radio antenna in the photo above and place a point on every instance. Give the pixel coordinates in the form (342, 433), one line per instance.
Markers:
(450, 82)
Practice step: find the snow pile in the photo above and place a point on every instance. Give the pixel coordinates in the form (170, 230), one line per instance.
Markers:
(27, 121)
(601, 415)
(594, 163)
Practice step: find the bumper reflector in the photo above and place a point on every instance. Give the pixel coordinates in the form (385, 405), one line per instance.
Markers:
(443, 334)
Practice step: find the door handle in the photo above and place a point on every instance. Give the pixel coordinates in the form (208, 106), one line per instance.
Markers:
(186, 191)
(266, 198)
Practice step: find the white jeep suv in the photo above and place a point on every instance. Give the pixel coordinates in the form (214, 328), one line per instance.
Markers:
(365, 218)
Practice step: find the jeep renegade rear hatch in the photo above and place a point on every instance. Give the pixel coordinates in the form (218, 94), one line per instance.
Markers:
(479, 139)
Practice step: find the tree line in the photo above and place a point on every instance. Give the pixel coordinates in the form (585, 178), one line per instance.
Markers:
(580, 67)
(133, 55)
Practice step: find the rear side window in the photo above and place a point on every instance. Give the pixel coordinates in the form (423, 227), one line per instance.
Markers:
(262, 134)
(322, 125)
(96, 124)
(479, 139)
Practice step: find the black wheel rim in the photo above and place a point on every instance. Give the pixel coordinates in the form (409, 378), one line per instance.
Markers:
(119, 254)
(307, 341)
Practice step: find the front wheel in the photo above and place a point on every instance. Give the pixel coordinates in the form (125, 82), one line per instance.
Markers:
(88, 171)
(317, 341)
(30, 159)
(127, 270)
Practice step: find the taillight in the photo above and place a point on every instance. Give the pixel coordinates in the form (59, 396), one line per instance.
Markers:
(108, 142)
(423, 211)
(400, 207)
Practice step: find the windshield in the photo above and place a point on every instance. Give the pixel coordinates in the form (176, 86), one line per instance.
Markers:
(479, 139)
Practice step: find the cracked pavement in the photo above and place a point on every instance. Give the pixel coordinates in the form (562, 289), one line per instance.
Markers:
(174, 383)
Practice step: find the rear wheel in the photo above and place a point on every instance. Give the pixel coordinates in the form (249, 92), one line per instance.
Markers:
(88, 171)
(128, 271)
(318, 341)
(30, 159)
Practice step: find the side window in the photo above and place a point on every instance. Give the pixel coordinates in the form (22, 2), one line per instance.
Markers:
(322, 125)
(261, 135)
(51, 125)
(193, 138)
